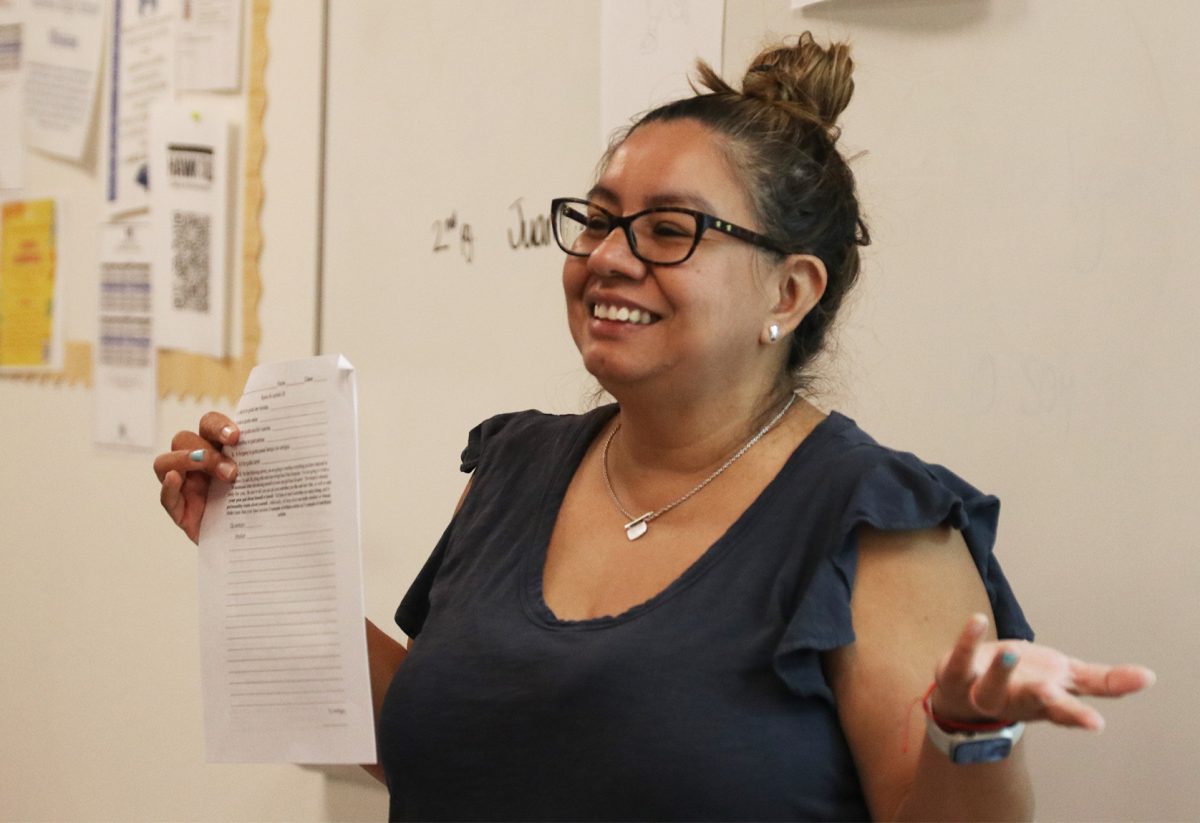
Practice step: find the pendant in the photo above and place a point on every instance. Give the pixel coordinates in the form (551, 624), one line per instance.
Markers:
(636, 528)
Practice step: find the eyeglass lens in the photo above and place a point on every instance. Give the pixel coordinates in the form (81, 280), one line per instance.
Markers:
(662, 237)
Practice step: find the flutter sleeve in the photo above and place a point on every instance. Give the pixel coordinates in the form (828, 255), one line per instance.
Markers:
(414, 606)
(888, 491)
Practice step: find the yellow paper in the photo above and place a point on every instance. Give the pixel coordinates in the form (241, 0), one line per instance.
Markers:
(27, 263)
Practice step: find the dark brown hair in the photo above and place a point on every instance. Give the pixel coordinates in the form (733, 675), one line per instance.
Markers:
(780, 134)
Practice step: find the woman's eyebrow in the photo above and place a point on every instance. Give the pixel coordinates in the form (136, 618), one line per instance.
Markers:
(598, 191)
(688, 199)
(684, 198)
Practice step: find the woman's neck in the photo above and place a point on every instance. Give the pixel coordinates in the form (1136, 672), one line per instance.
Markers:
(689, 433)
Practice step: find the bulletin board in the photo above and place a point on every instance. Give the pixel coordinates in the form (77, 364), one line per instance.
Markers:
(184, 374)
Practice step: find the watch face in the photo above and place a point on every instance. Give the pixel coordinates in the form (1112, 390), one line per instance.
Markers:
(982, 751)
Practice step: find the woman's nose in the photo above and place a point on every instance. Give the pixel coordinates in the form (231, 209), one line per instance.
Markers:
(614, 256)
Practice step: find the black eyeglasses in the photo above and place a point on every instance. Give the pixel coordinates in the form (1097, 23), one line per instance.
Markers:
(663, 236)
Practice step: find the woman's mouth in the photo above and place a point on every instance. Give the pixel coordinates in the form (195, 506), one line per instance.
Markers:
(623, 314)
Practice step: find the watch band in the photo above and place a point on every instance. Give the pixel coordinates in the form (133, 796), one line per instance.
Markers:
(974, 747)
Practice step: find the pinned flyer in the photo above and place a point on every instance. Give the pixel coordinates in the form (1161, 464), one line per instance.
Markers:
(282, 623)
(190, 167)
(140, 77)
(62, 44)
(125, 387)
(208, 46)
(31, 288)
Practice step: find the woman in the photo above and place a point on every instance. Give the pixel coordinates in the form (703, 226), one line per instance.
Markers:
(710, 600)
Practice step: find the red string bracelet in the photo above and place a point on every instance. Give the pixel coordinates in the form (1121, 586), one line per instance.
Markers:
(956, 726)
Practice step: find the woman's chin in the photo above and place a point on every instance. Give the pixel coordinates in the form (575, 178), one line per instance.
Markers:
(613, 373)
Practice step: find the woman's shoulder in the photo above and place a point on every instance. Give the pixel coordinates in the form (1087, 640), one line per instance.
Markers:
(522, 431)
(845, 450)
(877, 481)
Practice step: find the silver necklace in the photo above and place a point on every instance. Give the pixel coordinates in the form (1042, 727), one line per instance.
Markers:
(637, 526)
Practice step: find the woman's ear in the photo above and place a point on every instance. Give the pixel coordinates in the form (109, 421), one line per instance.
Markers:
(802, 279)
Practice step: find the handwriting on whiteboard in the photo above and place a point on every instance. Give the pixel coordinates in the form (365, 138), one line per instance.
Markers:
(525, 229)
(530, 233)
(446, 230)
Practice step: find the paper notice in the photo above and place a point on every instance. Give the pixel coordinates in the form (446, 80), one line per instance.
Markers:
(125, 385)
(208, 46)
(12, 144)
(31, 291)
(62, 46)
(190, 165)
(140, 67)
(283, 638)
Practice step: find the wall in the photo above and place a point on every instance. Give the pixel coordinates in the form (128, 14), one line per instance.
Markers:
(1026, 316)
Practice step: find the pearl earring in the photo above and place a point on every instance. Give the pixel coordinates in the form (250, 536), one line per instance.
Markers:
(773, 333)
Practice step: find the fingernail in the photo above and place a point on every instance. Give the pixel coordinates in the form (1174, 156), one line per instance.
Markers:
(1009, 659)
(197, 456)
(979, 624)
(226, 433)
(225, 469)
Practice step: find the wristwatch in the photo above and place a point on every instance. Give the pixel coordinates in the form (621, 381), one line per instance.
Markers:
(975, 746)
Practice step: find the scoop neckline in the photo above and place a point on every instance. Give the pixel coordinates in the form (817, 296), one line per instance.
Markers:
(533, 594)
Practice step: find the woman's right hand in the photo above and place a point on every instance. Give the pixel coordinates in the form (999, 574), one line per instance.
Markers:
(186, 471)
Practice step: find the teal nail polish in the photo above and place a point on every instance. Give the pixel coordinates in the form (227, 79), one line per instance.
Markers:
(197, 456)
(1009, 659)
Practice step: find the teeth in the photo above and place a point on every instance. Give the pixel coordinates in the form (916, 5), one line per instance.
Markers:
(622, 314)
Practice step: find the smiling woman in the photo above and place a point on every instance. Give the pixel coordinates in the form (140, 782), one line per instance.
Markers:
(710, 599)
(707, 292)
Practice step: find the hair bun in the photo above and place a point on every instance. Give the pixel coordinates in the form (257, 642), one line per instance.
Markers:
(812, 81)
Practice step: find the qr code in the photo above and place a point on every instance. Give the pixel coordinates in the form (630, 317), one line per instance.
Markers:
(190, 260)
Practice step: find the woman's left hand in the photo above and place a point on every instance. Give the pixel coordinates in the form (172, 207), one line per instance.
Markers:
(1014, 680)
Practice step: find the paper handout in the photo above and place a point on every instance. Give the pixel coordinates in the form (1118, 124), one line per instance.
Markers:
(282, 629)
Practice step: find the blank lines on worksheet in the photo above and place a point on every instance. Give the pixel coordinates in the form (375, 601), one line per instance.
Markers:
(281, 621)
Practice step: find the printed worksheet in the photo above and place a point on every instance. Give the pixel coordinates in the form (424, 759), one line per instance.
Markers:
(283, 639)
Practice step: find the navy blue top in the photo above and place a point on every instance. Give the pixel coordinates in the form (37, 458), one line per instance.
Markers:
(706, 702)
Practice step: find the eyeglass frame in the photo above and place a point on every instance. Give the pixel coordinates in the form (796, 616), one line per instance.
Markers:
(704, 222)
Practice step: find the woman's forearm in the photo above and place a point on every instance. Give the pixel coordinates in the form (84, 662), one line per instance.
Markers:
(385, 655)
(944, 790)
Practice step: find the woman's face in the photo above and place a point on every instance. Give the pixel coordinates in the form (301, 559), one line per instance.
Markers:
(708, 313)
